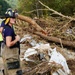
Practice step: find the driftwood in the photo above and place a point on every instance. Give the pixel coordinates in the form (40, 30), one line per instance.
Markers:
(44, 69)
(32, 22)
(38, 28)
(64, 27)
(57, 40)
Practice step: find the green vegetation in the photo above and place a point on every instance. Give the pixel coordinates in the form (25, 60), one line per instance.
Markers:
(29, 7)
(3, 6)
(66, 7)
(12, 3)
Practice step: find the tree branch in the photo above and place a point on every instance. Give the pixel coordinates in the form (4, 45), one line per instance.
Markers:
(35, 10)
(68, 17)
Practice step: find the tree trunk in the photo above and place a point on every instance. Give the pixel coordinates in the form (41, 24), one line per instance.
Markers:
(57, 40)
(32, 22)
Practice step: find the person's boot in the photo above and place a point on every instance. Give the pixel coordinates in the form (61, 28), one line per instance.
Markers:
(19, 72)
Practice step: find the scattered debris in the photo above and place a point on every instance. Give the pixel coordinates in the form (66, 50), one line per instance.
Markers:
(47, 55)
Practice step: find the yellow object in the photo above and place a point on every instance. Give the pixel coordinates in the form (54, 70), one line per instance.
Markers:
(1, 38)
(7, 20)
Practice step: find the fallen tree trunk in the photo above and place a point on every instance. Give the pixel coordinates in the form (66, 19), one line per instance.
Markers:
(57, 40)
(32, 22)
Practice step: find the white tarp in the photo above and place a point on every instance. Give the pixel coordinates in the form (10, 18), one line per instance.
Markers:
(59, 58)
(55, 56)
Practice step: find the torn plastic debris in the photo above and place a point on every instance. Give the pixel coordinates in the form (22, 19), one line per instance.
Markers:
(42, 46)
(29, 52)
(25, 38)
(59, 58)
(33, 43)
(55, 56)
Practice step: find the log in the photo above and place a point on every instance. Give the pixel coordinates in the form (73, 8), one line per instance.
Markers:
(32, 22)
(57, 40)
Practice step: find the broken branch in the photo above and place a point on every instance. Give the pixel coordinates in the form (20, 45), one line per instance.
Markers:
(68, 17)
(32, 22)
(57, 40)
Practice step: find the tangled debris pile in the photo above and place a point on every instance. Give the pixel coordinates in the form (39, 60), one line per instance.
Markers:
(52, 62)
(53, 27)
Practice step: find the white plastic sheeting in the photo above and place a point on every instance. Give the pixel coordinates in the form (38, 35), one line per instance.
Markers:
(55, 56)
(25, 38)
(59, 58)
(29, 52)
